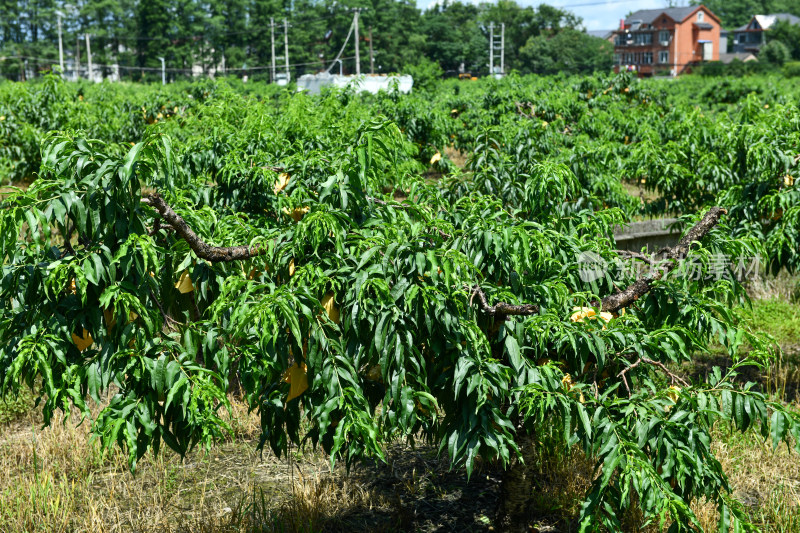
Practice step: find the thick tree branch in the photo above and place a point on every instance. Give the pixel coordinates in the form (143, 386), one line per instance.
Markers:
(642, 286)
(627, 254)
(502, 309)
(213, 254)
(521, 109)
(625, 297)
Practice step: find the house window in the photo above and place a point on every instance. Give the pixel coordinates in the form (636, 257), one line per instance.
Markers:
(617, 59)
(643, 38)
(699, 16)
(648, 58)
(663, 56)
(663, 37)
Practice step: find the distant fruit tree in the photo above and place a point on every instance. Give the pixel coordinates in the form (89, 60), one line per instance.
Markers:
(453, 317)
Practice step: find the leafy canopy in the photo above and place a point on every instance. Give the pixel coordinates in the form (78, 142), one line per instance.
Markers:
(360, 316)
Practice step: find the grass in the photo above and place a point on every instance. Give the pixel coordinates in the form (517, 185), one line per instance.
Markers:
(766, 481)
(12, 408)
(58, 479)
(778, 317)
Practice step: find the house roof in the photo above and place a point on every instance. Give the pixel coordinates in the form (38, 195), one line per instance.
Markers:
(765, 22)
(703, 25)
(741, 56)
(647, 16)
(603, 34)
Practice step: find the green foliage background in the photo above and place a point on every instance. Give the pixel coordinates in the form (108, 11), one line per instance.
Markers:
(400, 243)
(186, 33)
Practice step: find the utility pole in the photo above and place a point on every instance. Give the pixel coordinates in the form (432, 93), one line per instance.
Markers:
(77, 57)
(358, 59)
(272, 39)
(371, 58)
(497, 45)
(675, 70)
(60, 46)
(89, 56)
(503, 48)
(491, 48)
(286, 47)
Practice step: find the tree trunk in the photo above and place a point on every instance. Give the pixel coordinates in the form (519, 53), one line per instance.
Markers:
(514, 508)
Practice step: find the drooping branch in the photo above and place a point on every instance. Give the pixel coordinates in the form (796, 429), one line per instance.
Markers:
(627, 254)
(213, 254)
(383, 203)
(614, 302)
(502, 308)
(521, 109)
(674, 378)
(168, 320)
(625, 297)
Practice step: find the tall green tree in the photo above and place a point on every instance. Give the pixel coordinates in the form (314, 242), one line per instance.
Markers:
(106, 22)
(153, 23)
(186, 34)
(569, 51)
(736, 13)
(395, 33)
(453, 37)
(522, 23)
(788, 34)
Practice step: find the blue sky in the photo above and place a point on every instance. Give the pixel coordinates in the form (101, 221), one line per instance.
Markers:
(607, 15)
(603, 15)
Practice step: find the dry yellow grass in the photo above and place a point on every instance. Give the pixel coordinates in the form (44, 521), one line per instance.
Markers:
(458, 157)
(58, 479)
(766, 481)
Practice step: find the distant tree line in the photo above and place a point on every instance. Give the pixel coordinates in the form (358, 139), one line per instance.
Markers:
(736, 13)
(206, 34)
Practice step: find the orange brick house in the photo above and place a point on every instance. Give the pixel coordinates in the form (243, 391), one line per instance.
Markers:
(666, 41)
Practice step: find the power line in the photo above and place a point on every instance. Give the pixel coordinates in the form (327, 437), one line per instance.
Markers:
(183, 70)
(339, 55)
(592, 4)
(207, 32)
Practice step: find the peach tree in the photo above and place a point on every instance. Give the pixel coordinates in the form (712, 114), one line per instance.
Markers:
(452, 315)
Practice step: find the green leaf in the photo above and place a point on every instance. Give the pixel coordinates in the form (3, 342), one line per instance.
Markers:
(587, 426)
(513, 351)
